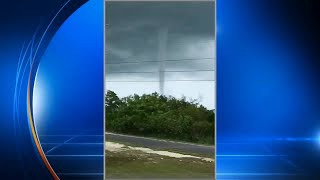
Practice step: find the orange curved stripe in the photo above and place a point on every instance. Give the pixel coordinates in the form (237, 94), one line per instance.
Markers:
(36, 140)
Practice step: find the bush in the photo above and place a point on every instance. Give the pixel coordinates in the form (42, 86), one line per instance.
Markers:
(156, 115)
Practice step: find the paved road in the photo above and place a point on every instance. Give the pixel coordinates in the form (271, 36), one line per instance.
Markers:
(161, 144)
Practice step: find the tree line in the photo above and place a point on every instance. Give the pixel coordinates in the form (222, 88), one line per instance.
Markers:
(156, 115)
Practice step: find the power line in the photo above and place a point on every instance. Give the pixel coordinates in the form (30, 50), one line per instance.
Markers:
(196, 43)
(167, 60)
(205, 80)
(172, 44)
(153, 72)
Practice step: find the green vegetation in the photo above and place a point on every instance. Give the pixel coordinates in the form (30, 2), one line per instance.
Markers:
(135, 164)
(159, 116)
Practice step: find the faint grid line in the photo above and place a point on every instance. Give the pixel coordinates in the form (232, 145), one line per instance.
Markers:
(76, 155)
(250, 155)
(72, 143)
(59, 145)
(257, 174)
(81, 174)
(67, 135)
(282, 158)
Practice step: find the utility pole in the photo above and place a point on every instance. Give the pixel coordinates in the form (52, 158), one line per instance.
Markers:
(162, 55)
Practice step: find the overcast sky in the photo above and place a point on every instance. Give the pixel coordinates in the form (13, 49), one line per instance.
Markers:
(132, 48)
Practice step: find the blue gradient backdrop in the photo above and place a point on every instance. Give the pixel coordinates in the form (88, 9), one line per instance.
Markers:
(57, 47)
(268, 89)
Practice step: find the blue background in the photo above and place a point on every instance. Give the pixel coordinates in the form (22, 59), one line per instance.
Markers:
(268, 89)
(57, 47)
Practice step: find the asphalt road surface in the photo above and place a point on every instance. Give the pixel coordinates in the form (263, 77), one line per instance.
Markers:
(160, 144)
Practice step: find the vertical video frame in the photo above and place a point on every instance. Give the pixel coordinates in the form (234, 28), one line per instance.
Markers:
(160, 89)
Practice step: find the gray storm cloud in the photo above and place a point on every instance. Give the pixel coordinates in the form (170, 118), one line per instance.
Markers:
(132, 42)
